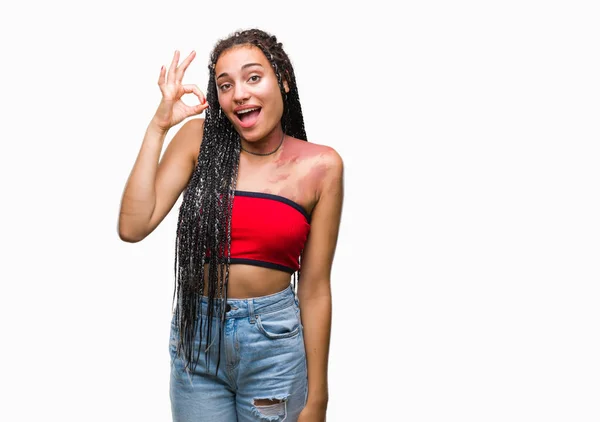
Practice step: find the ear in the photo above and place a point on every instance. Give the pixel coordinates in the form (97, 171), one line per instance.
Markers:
(286, 87)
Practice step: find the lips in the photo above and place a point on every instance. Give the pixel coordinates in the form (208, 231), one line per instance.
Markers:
(247, 116)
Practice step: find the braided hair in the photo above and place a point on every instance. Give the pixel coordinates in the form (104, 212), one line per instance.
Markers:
(204, 222)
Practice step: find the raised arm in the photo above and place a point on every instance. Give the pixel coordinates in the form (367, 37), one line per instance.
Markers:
(314, 288)
(153, 187)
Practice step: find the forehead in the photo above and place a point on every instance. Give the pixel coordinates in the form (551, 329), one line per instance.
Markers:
(234, 58)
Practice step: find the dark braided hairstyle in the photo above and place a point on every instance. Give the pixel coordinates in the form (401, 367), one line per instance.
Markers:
(205, 214)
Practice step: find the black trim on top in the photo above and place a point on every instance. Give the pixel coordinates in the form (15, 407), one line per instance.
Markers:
(279, 198)
(263, 264)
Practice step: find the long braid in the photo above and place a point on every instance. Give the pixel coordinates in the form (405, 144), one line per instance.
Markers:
(204, 223)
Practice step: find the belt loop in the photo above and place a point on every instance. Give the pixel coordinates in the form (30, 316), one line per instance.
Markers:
(251, 311)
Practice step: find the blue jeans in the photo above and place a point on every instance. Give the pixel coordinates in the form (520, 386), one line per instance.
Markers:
(262, 359)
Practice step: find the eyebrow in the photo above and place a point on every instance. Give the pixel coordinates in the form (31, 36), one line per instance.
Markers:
(243, 67)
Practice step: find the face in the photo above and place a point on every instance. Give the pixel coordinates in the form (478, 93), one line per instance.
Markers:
(248, 91)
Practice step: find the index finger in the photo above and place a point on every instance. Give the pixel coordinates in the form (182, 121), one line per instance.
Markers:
(184, 65)
(173, 67)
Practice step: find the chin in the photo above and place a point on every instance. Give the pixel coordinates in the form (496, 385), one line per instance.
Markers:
(250, 138)
(253, 134)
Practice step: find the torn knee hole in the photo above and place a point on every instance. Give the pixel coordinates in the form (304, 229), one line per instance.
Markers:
(270, 408)
(266, 402)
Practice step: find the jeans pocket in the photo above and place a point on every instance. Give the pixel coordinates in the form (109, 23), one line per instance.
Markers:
(283, 323)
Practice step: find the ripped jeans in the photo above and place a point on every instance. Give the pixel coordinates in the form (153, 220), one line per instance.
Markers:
(262, 373)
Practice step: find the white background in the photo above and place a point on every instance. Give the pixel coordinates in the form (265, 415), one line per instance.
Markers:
(466, 279)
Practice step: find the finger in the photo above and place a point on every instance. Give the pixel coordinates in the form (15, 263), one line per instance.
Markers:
(161, 78)
(197, 109)
(193, 89)
(173, 67)
(182, 68)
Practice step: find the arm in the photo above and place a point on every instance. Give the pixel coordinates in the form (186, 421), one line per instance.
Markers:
(314, 288)
(152, 187)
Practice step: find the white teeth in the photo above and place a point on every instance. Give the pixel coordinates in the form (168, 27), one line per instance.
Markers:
(247, 110)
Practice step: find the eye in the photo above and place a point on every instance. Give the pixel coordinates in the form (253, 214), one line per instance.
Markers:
(224, 87)
(254, 78)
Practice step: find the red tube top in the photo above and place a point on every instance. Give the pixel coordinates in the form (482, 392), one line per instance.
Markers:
(267, 231)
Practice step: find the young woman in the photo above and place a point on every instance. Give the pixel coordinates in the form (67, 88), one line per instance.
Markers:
(260, 204)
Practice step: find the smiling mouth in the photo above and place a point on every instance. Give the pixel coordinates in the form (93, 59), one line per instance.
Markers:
(248, 117)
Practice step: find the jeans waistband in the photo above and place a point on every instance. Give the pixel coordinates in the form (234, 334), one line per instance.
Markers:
(244, 308)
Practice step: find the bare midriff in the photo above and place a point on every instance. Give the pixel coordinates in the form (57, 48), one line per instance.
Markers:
(247, 281)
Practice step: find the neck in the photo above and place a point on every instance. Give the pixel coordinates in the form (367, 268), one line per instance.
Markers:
(270, 145)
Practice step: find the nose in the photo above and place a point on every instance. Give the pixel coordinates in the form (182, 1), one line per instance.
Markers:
(240, 95)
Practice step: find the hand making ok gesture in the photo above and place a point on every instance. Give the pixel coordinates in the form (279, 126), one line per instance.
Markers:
(172, 110)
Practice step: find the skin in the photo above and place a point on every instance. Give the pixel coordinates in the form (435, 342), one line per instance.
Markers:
(305, 172)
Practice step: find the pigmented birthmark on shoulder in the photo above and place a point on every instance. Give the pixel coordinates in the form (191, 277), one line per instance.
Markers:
(279, 177)
(326, 166)
(297, 156)
(320, 157)
(310, 165)
(297, 151)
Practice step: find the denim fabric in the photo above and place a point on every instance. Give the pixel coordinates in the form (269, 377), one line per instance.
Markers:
(262, 357)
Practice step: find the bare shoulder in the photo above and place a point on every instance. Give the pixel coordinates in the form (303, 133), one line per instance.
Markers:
(331, 158)
(318, 153)
(323, 163)
(333, 165)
